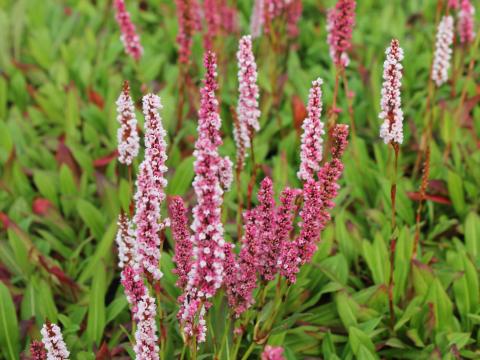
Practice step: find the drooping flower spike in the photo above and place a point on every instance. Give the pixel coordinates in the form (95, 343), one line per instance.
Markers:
(53, 340)
(248, 112)
(443, 51)
(150, 193)
(466, 22)
(391, 131)
(37, 351)
(340, 23)
(188, 15)
(207, 271)
(312, 137)
(130, 38)
(127, 134)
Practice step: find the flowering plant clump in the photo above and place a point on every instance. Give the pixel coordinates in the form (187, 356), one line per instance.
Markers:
(233, 200)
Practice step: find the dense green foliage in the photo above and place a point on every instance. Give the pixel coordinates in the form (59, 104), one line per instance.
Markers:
(61, 69)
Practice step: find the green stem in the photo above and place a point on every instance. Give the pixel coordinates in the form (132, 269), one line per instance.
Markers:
(249, 351)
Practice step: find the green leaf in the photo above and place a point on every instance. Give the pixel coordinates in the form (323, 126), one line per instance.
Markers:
(46, 185)
(9, 337)
(96, 307)
(182, 179)
(455, 189)
(92, 217)
(358, 340)
(472, 234)
(115, 308)
(347, 309)
(102, 251)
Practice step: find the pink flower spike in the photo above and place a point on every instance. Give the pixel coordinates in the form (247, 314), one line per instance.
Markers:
(240, 277)
(127, 135)
(207, 272)
(391, 103)
(466, 22)
(340, 23)
(188, 15)
(146, 338)
(37, 351)
(53, 340)
(273, 353)
(125, 242)
(133, 286)
(294, 12)
(312, 142)
(183, 242)
(257, 20)
(130, 38)
(443, 51)
(265, 221)
(453, 4)
(248, 111)
(150, 194)
(155, 144)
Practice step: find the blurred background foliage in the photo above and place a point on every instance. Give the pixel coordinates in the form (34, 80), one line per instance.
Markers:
(61, 69)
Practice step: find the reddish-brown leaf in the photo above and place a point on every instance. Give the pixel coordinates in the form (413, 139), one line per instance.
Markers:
(95, 98)
(299, 112)
(105, 160)
(415, 196)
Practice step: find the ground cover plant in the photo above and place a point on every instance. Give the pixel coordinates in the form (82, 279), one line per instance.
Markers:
(267, 179)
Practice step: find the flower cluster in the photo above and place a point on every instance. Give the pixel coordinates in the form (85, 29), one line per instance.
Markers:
(146, 347)
(127, 135)
(150, 190)
(466, 22)
(37, 351)
(391, 105)
(207, 270)
(317, 201)
(53, 341)
(188, 15)
(267, 230)
(273, 353)
(311, 148)
(247, 108)
(130, 38)
(443, 51)
(340, 23)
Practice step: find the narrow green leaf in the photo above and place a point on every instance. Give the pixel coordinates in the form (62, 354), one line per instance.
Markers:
(96, 307)
(9, 337)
